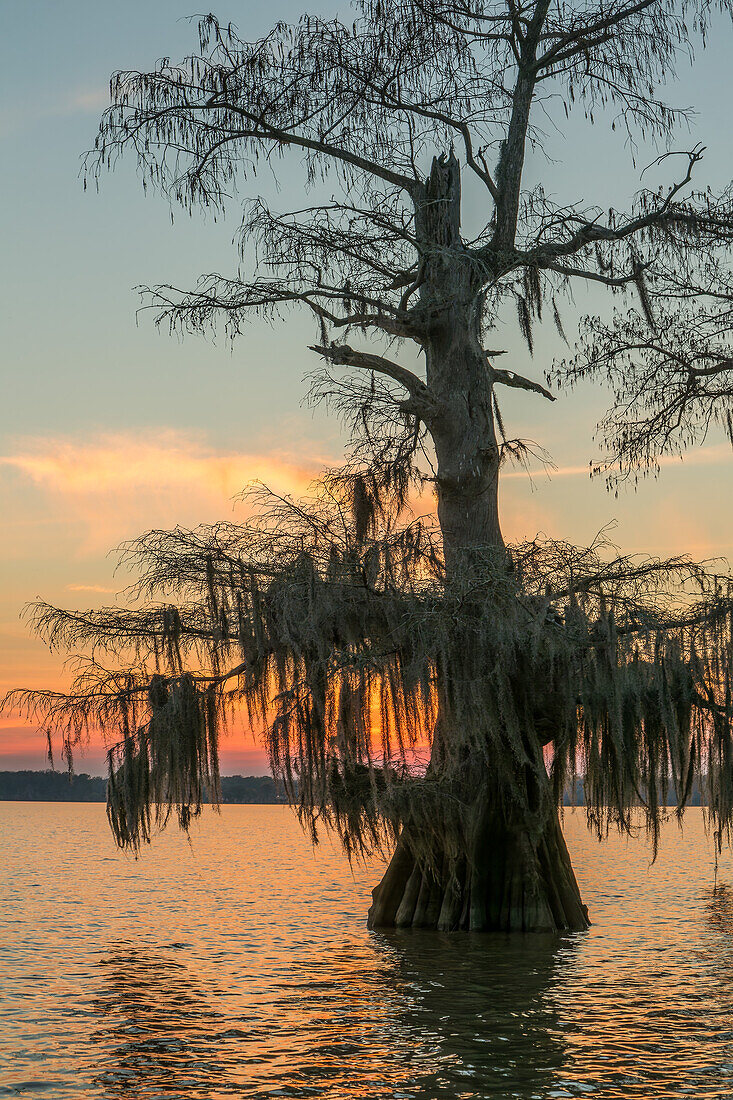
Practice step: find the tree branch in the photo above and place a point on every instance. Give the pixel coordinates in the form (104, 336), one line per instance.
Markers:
(583, 38)
(422, 400)
(518, 382)
(593, 276)
(264, 131)
(196, 309)
(592, 232)
(721, 367)
(511, 158)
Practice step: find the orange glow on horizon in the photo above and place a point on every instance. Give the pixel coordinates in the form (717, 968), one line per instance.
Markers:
(68, 500)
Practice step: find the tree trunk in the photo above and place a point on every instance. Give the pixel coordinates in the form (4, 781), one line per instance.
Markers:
(508, 879)
(463, 432)
(498, 862)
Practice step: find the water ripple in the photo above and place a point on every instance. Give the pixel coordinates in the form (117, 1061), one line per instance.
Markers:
(240, 966)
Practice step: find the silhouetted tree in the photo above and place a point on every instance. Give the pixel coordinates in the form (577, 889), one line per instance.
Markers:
(355, 631)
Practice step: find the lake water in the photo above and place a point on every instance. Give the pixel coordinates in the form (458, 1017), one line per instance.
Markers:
(241, 966)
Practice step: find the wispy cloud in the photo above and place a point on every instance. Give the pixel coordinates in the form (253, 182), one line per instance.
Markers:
(95, 588)
(77, 101)
(86, 101)
(111, 486)
(151, 461)
(713, 455)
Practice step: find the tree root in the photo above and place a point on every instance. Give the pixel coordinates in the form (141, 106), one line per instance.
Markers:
(509, 882)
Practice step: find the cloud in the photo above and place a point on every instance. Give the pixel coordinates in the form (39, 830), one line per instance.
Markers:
(78, 101)
(96, 588)
(112, 486)
(150, 462)
(85, 100)
(713, 455)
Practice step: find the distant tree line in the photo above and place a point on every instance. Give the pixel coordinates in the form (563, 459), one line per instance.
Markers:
(51, 786)
(574, 794)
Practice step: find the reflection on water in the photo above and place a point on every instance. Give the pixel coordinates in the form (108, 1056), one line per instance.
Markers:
(156, 1024)
(450, 1009)
(720, 909)
(479, 1006)
(242, 967)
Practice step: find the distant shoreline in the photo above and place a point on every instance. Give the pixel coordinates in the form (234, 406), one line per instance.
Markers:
(53, 786)
(236, 790)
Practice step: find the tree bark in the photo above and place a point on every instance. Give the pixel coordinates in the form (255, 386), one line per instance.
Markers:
(498, 870)
(511, 877)
(463, 431)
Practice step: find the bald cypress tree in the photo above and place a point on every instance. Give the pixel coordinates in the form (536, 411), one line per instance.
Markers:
(356, 633)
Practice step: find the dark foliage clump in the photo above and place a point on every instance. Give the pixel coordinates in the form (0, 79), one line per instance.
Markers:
(346, 650)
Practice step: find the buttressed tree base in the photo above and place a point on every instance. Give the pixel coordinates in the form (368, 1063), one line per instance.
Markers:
(425, 689)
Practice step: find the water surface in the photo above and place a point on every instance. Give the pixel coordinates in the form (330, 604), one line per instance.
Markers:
(240, 965)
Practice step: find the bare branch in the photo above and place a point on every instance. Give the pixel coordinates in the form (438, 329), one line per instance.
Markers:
(518, 382)
(587, 35)
(422, 400)
(592, 276)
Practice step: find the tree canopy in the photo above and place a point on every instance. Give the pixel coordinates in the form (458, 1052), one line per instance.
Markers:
(339, 640)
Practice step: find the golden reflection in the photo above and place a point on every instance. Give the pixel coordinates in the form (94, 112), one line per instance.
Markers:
(283, 993)
(719, 909)
(716, 954)
(422, 1015)
(156, 1030)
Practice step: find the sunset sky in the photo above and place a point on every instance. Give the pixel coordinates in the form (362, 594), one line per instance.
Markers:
(108, 427)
